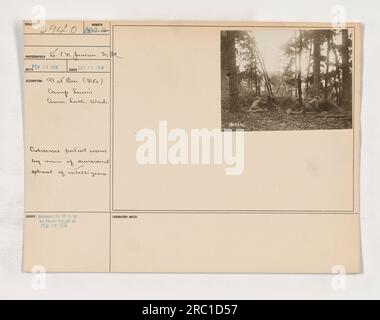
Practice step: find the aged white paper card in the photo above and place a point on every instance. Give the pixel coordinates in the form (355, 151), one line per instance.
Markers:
(191, 147)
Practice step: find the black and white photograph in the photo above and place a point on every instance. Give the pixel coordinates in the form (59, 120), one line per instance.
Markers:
(286, 79)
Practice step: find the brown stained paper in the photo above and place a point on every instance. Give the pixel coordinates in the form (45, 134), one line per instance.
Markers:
(97, 91)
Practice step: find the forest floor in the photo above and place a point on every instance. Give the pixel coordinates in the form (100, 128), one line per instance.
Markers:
(273, 120)
(281, 121)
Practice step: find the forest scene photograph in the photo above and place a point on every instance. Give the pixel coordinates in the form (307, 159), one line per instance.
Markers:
(286, 79)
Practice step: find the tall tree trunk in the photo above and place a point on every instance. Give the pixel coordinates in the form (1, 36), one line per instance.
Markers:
(232, 73)
(337, 93)
(295, 64)
(259, 87)
(300, 100)
(327, 66)
(346, 75)
(308, 73)
(256, 82)
(285, 88)
(268, 84)
(316, 63)
(337, 76)
(224, 69)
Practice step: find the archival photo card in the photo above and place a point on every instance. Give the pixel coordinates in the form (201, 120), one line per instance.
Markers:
(128, 168)
(287, 79)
